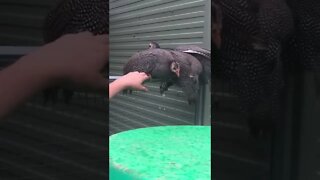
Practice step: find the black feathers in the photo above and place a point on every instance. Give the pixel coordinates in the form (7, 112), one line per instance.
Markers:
(252, 38)
(73, 16)
(159, 63)
(203, 56)
(306, 42)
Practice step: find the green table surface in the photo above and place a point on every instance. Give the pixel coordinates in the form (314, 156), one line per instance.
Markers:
(160, 153)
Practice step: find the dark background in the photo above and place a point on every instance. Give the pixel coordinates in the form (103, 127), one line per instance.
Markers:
(56, 140)
(290, 150)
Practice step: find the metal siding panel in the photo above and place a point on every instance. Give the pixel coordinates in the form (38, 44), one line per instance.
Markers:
(43, 3)
(22, 21)
(167, 8)
(132, 26)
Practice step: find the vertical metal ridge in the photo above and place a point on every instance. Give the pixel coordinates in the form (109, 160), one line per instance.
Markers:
(170, 23)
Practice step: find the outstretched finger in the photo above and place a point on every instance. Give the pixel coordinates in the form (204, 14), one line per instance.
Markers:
(145, 76)
(143, 88)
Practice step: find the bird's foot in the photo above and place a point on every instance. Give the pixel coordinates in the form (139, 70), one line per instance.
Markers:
(127, 91)
(164, 86)
(191, 101)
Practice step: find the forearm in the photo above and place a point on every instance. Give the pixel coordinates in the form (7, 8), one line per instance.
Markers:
(132, 80)
(115, 87)
(18, 82)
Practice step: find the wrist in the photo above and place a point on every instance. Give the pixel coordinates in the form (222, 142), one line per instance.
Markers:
(38, 71)
(115, 87)
(121, 84)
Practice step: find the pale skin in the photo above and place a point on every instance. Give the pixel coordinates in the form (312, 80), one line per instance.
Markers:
(77, 59)
(73, 59)
(132, 80)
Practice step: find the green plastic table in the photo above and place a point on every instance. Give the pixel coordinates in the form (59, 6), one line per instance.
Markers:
(161, 153)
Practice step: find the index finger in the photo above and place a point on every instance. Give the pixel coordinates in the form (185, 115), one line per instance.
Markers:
(146, 76)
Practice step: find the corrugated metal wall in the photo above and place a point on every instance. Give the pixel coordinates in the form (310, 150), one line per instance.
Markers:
(21, 21)
(133, 24)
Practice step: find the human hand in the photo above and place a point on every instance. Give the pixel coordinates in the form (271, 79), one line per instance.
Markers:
(135, 80)
(76, 58)
(132, 80)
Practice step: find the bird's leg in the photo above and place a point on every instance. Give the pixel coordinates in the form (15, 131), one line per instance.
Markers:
(195, 78)
(127, 91)
(50, 94)
(164, 86)
(54, 96)
(67, 93)
(191, 100)
(46, 95)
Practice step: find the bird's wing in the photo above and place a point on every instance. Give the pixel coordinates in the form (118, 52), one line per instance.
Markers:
(193, 49)
(189, 62)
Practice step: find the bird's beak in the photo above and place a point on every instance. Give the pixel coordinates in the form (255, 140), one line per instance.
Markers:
(178, 72)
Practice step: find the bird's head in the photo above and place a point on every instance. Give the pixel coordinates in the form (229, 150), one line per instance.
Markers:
(153, 45)
(175, 67)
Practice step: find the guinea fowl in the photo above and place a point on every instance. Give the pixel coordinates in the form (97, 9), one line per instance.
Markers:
(253, 32)
(170, 67)
(73, 16)
(158, 63)
(201, 54)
